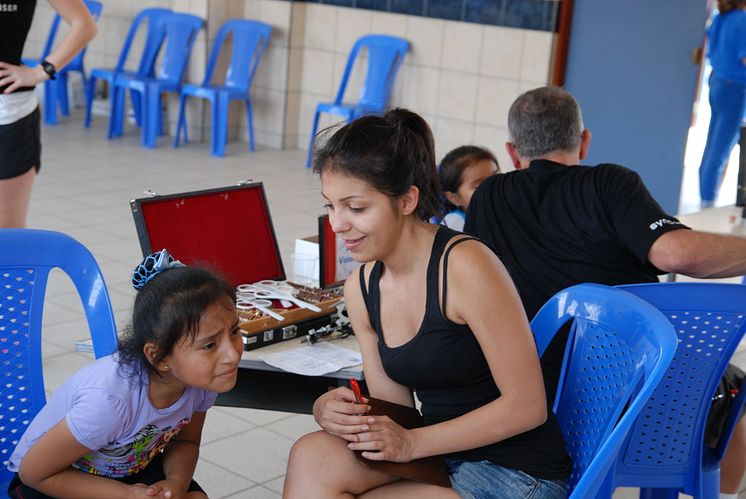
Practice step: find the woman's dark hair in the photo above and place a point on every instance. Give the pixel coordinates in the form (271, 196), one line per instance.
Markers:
(391, 153)
(452, 166)
(168, 308)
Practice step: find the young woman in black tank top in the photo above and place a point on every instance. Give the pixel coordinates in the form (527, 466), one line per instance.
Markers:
(433, 311)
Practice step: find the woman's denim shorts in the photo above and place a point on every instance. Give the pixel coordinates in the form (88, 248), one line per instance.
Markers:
(486, 480)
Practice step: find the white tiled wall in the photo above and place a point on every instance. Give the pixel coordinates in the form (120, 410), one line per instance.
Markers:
(461, 77)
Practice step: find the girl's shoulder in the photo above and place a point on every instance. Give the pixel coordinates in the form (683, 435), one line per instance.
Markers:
(106, 375)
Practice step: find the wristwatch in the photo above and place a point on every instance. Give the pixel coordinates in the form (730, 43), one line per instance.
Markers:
(49, 68)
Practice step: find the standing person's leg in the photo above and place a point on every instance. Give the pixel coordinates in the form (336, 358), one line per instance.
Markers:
(727, 102)
(15, 194)
(20, 159)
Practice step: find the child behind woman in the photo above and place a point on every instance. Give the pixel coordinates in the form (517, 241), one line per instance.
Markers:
(130, 424)
(460, 173)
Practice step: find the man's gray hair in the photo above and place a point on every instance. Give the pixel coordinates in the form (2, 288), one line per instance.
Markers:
(543, 120)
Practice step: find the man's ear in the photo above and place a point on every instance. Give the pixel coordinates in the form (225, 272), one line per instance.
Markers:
(453, 198)
(409, 200)
(585, 144)
(513, 153)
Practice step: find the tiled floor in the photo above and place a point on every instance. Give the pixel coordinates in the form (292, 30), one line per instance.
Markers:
(84, 190)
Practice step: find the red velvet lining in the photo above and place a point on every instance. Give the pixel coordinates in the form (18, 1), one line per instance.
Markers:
(330, 253)
(227, 231)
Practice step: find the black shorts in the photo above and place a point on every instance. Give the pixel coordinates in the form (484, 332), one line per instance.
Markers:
(151, 474)
(20, 146)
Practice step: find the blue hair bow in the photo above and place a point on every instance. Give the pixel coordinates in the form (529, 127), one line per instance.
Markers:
(151, 266)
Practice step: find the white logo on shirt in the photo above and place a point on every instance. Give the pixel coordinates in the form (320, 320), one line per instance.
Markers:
(662, 222)
(8, 7)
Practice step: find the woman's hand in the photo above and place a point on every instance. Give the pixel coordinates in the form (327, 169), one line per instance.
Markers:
(385, 441)
(338, 414)
(20, 76)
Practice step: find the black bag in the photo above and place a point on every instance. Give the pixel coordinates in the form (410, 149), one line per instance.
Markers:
(728, 388)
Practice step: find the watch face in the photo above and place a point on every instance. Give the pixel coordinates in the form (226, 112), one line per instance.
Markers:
(48, 68)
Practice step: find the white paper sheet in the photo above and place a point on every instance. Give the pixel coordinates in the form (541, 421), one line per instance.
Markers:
(313, 360)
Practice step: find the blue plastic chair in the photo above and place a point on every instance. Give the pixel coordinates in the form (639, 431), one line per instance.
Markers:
(26, 257)
(180, 34)
(618, 350)
(152, 43)
(250, 38)
(385, 55)
(55, 91)
(665, 454)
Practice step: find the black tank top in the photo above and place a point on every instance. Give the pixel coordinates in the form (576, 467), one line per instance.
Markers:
(15, 22)
(445, 365)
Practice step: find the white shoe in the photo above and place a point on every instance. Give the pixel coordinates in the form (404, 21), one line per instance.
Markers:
(704, 204)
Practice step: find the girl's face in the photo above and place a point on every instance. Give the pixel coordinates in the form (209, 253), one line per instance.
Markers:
(471, 177)
(211, 361)
(367, 220)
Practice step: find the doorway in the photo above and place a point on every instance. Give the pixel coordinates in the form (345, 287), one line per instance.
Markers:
(695, 145)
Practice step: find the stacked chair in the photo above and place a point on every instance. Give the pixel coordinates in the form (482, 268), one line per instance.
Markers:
(153, 18)
(168, 41)
(249, 40)
(179, 34)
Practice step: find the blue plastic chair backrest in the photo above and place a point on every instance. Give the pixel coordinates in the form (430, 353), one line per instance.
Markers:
(95, 8)
(385, 55)
(153, 38)
(26, 257)
(710, 321)
(249, 38)
(180, 34)
(618, 350)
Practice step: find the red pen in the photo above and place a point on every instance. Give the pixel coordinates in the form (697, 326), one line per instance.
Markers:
(356, 390)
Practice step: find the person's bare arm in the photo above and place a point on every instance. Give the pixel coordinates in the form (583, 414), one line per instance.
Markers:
(46, 467)
(82, 30)
(180, 457)
(335, 411)
(699, 254)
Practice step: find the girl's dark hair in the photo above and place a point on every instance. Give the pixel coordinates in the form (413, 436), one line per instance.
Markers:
(391, 153)
(452, 166)
(167, 309)
(728, 5)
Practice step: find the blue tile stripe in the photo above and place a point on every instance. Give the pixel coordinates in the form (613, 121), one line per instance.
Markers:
(538, 15)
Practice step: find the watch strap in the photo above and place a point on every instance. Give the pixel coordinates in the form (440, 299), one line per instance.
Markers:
(49, 68)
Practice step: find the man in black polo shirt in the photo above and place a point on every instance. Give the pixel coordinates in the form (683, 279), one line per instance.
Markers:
(554, 224)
